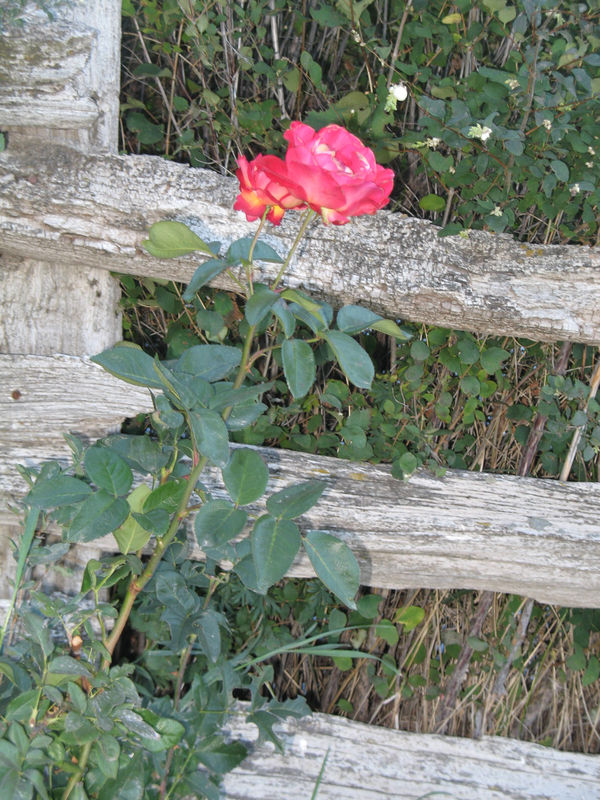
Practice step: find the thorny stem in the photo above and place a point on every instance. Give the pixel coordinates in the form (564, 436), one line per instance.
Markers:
(183, 662)
(76, 777)
(137, 584)
(305, 223)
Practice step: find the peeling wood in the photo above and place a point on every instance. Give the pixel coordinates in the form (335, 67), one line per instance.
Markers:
(90, 211)
(365, 762)
(61, 76)
(47, 309)
(467, 530)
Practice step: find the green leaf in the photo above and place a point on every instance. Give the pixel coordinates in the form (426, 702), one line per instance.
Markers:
(147, 132)
(105, 754)
(592, 672)
(420, 351)
(295, 500)
(260, 303)
(143, 453)
(173, 239)
(99, 514)
(335, 564)
(491, 359)
(470, 385)
(59, 491)
(354, 319)
(560, 169)
(355, 363)
(390, 328)
(432, 202)
(410, 617)
(468, 351)
(130, 784)
(368, 605)
(239, 251)
(154, 522)
(479, 645)
(298, 366)
(576, 661)
(353, 9)
(170, 731)
(133, 722)
(21, 707)
(275, 543)
(285, 317)
(217, 521)
(131, 536)
(209, 361)
(404, 466)
(203, 275)
(108, 470)
(294, 296)
(210, 435)
(128, 362)
(66, 665)
(219, 756)
(166, 496)
(245, 476)
(387, 631)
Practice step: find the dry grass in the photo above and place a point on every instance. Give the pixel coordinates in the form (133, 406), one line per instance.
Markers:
(536, 697)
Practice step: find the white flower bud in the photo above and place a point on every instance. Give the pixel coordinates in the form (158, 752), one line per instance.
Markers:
(399, 92)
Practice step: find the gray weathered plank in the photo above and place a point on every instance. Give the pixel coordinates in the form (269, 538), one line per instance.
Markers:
(464, 530)
(89, 211)
(63, 75)
(369, 763)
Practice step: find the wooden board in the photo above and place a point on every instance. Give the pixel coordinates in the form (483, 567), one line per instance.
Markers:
(465, 530)
(369, 763)
(95, 211)
(63, 75)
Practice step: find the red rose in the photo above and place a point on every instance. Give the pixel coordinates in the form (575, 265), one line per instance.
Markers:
(260, 189)
(333, 172)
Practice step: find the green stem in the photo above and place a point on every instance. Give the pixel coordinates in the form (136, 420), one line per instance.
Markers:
(305, 223)
(251, 252)
(31, 522)
(136, 585)
(76, 777)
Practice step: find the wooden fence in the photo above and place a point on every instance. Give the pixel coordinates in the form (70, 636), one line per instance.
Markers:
(71, 211)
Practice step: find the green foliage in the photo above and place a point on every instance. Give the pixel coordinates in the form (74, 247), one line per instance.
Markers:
(503, 135)
(93, 725)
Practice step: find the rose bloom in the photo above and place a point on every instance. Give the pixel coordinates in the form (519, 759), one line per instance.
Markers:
(333, 172)
(259, 190)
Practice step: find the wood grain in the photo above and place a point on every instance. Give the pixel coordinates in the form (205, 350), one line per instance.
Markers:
(95, 211)
(369, 763)
(464, 530)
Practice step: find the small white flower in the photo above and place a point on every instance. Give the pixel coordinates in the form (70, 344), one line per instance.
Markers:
(591, 151)
(399, 92)
(497, 212)
(547, 123)
(480, 132)
(512, 83)
(433, 143)
(589, 164)
(451, 170)
(575, 189)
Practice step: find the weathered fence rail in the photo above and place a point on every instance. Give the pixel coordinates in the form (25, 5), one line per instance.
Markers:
(462, 530)
(71, 211)
(369, 763)
(93, 211)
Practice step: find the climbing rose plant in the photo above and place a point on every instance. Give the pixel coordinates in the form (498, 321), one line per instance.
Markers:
(75, 723)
